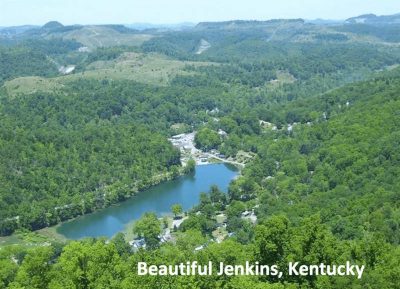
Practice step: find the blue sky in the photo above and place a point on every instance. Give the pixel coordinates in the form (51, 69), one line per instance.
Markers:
(17, 12)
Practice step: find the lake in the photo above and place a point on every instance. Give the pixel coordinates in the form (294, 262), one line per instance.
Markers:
(158, 199)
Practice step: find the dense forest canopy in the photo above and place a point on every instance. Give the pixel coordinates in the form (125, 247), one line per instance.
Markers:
(84, 161)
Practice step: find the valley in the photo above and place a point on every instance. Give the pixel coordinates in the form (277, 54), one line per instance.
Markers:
(231, 141)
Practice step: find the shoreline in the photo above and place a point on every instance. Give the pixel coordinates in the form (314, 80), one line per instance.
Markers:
(51, 233)
(185, 143)
(124, 229)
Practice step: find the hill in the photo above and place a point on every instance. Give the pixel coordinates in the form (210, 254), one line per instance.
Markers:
(52, 25)
(324, 192)
(247, 24)
(373, 19)
(105, 36)
(311, 109)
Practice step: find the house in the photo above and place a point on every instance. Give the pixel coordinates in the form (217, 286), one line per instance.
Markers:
(199, 248)
(245, 213)
(138, 243)
(222, 133)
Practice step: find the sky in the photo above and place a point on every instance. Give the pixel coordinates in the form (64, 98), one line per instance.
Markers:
(38, 12)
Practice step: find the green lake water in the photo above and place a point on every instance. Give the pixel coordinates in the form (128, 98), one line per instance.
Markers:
(158, 199)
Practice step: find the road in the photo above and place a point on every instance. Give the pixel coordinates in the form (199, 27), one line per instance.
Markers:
(225, 160)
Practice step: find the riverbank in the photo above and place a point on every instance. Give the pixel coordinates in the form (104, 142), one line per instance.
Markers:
(184, 190)
(50, 234)
(19, 236)
(42, 237)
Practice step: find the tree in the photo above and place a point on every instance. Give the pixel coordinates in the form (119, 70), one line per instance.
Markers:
(200, 223)
(176, 209)
(207, 139)
(149, 228)
(190, 166)
(204, 200)
(34, 271)
(190, 239)
(235, 209)
(88, 264)
(217, 197)
(272, 241)
(121, 245)
(208, 210)
(8, 270)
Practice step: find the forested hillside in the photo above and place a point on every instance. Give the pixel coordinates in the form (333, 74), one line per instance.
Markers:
(30, 57)
(242, 77)
(314, 109)
(23, 62)
(346, 167)
(327, 193)
(65, 155)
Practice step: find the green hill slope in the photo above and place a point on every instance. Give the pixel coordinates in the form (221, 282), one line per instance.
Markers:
(346, 167)
(324, 193)
(64, 155)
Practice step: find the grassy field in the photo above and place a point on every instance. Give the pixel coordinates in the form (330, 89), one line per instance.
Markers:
(152, 69)
(98, 36)
(32, 84)
(33, 239)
